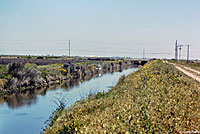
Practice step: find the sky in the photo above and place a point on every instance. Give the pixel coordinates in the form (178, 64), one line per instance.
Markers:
(100, 27)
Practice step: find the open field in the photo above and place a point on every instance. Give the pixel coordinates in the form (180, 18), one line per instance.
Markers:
(156, 99)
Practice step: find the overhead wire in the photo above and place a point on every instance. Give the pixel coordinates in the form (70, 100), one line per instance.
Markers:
(59, 46)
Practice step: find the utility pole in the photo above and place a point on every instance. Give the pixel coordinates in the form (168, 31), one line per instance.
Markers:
(176, 50)
(143, 54)
(188, 49)
(180, 47)
(69, 48)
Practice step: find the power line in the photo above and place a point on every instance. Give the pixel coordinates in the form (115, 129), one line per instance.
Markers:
(56, 43)
(158, 53)
(32, 41)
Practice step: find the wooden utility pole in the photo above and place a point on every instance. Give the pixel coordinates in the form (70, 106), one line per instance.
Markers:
(69, 48)
(180, 47)
(143, 54)
(176, 50)
(188, 50)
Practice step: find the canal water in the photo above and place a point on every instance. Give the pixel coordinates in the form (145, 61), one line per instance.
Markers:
(26, 114)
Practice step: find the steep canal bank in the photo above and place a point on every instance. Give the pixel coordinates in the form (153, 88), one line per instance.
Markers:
(155, 99)
(26, 113)
(19, 75)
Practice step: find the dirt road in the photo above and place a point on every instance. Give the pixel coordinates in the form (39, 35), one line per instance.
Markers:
(188, 71)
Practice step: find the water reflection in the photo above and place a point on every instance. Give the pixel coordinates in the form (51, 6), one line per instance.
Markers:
(29, 97)
(28, 111)
(17, 100)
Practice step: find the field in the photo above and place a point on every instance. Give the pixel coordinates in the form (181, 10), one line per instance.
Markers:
(156, 99)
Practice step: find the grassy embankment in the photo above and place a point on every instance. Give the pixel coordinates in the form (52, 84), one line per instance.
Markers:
(50, 71)
(4, 73)
(45, 70)
(156, 99)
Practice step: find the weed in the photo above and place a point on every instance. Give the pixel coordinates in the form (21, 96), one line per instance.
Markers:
(155, 99)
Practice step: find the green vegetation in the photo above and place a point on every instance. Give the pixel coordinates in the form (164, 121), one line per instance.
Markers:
(194, 65)
(83, 63)
(156, 99)
(51, 66)
(4, 77)
(116, 61)
(4, 73)
(53, 70)
(46, 70)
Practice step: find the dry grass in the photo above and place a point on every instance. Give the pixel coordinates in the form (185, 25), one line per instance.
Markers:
(1, 83)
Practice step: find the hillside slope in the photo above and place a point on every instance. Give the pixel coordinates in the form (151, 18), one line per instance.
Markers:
(156, 99)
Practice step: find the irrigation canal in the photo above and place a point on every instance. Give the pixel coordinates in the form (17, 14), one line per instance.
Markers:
(26, 113)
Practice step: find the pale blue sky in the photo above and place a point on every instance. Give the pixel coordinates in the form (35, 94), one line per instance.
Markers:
(99, 27)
